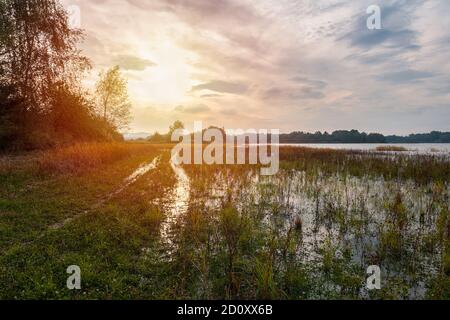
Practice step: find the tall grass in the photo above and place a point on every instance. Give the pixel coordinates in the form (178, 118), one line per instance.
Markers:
(421, 168)
(5, 165)
(83, 157)
(9, 164)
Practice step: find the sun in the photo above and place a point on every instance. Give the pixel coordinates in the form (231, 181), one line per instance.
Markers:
(168, 81)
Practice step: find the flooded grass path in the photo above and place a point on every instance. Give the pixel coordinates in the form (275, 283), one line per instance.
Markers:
(179, 206)
(138, 173)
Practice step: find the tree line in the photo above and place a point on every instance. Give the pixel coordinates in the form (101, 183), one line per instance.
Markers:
(42, 101)
(341, 136)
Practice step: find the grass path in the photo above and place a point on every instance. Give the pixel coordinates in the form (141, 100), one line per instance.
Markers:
(107, 243)
(32, 204)
(138, 173)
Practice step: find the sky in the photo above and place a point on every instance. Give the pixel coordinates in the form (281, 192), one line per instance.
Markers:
(293, 65)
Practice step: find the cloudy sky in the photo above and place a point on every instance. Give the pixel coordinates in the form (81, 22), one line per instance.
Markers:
(277, 64)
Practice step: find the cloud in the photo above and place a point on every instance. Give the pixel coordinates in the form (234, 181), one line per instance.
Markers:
(222, 87)
(309, 65)
(405, 76)
(134, 63)
(372, 38)
(308, 93)
(294, 94)
(229, 112)
(196, 109)
(211, 96)
(319, 84)
(396, 31)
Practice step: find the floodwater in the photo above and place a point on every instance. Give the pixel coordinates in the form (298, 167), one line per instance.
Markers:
(143, 169)
(422, 148)
(179, 205)
(362, 221)
(355, 217)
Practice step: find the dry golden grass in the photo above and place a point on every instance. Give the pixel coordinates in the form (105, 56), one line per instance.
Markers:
(5, 165)
(86, 156)
(16, 163)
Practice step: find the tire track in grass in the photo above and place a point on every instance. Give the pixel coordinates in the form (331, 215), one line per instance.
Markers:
(138, 173)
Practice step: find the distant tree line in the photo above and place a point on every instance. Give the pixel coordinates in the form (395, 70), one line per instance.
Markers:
(341, 136)
(433, 137)
(354, 136)
(166, 138)
(42, 101)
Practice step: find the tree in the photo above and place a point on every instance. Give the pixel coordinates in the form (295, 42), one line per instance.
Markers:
(38, 60)
(112, 94)
(177, 125)
(38, 51)
(157, 138)
(42, 101)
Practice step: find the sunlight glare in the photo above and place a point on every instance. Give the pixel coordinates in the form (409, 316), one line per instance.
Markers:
(169, 80)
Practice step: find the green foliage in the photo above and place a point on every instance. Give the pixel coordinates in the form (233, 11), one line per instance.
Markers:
(113, 100)
(167, 138)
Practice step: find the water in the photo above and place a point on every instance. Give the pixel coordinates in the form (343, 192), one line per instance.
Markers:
(422, 148)
(329, 224)
(180, 203)
(142, 170)
(345, 214)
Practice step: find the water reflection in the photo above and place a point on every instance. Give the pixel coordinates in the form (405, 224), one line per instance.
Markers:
(179, 204)
(139, 172)
(363, 220)
(416, 148)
